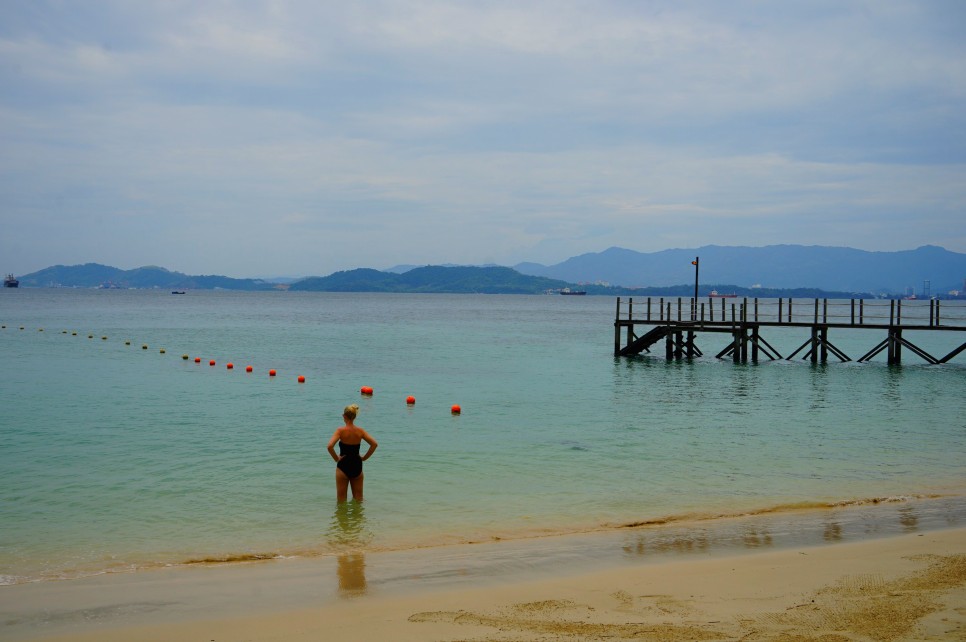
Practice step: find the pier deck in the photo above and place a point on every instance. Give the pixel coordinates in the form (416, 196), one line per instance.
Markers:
(678, 321)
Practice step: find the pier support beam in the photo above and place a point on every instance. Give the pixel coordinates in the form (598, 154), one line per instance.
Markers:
(894, 342)
(895, 346)
(819, 347)
(953, 353)
(743, 336)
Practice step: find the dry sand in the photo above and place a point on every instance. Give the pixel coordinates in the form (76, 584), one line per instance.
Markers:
(909, 587)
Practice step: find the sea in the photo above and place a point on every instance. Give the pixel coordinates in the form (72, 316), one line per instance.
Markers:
(128, 444)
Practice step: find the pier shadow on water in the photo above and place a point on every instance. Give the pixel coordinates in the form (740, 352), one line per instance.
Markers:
(348, 535)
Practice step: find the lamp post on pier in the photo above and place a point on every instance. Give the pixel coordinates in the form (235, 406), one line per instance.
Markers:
(694, 302)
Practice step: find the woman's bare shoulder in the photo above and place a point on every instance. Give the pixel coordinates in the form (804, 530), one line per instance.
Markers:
(341, 432)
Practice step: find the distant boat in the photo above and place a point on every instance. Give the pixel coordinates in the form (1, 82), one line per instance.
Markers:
(177, 291)
(569, 292)
(714, 295)
(11, 282)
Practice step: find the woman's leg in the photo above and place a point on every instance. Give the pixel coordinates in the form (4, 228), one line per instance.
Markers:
(357, 487)
(341, 486)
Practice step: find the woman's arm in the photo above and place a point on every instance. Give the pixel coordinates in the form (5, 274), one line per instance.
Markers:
(366, 437)
(332, 443)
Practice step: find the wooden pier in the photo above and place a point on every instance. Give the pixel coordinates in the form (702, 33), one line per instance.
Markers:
(679, 321)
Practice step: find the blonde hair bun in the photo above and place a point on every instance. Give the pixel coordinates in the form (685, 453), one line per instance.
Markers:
(351, 411)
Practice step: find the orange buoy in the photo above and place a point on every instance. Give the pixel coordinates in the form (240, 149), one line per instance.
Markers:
(248, 368)
(301, 379)
(410, 400)
(366, 390)
(230, 366)
(271, 373)
(197, 359)
(211, 363)
(456, 409)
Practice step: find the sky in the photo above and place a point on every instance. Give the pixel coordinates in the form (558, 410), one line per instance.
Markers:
(271, 138)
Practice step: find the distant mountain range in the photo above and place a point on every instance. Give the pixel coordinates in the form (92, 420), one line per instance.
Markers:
(774, 266)
(776, 270)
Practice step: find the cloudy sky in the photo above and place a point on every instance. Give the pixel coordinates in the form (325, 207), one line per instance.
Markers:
(259, 138)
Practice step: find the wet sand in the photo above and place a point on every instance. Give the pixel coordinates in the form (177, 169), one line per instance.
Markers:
(907, 587)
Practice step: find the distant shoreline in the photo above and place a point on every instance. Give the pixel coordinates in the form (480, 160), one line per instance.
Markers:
(683, 291)
(768, 271)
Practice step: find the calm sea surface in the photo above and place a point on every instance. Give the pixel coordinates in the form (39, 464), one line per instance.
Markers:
(116, 456)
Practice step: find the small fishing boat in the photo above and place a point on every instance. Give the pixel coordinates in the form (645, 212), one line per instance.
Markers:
(11, 282)
(715, 295)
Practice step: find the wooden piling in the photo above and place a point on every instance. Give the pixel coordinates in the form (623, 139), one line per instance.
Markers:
(617, 328)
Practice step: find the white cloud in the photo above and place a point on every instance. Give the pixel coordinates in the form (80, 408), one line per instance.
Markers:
(464, 132)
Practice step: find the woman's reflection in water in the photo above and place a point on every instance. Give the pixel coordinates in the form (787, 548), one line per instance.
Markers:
(348, 536)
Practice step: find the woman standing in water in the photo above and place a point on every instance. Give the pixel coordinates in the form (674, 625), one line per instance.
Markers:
(348, 471)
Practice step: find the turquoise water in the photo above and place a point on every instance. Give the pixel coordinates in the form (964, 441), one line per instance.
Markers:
(115, 457)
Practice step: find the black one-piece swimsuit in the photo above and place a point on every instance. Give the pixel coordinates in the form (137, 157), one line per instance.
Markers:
(351, 462)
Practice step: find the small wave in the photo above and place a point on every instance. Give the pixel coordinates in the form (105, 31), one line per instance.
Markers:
(770, 510)
(234, 558)
(883, 500)
(76, 573)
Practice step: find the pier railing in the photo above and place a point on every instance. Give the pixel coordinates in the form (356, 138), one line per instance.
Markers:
(677, 320)
(876, 313)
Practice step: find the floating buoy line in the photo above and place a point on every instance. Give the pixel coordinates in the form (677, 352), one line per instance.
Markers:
(365, 391)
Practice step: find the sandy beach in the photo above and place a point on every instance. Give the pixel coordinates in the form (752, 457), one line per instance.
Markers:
(906, 587)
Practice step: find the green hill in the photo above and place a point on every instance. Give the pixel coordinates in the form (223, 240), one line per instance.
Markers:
(433, 279)
(93, 275)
